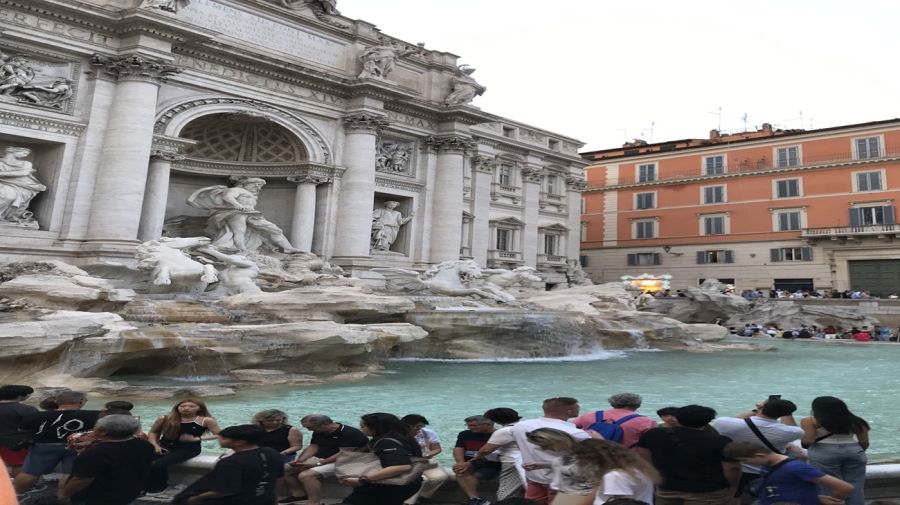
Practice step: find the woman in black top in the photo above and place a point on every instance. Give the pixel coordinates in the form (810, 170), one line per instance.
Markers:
(176, 438)
(392, 443)
(279, 435)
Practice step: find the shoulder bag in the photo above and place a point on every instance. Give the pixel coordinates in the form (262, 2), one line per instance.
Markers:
(762, 438)
(357, 464)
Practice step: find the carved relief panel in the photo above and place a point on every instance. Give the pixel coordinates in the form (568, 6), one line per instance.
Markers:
(37, 79)
(395, 157)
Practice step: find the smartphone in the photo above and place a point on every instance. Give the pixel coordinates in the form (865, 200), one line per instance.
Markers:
(774, 397)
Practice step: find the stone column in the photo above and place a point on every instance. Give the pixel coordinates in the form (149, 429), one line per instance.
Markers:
(446, 220)
(575, 185)
(303, 224)
(483, 177)
(122, 173)
(156, 194)
(354, 222)
(531, 189)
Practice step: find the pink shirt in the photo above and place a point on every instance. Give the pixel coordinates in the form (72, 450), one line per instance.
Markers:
(632, 429)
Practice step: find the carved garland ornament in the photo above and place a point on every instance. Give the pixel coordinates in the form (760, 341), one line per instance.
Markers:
(173, 111)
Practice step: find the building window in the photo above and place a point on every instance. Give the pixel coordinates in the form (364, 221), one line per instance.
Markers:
(552, 184)
(868, 181)
(714, 165)
(871, 215)
(787, 156)
(715, 256)
(647, 173)
(504, 239)
(713, 194)
(644, 259)
(509, 132)
(645, 229)
(867, 148)
(551, 245)
(583, 259)
(787, 188)
(644, 200)
(791, 254)
(504, 175)
(584, 231)
(789, 220)
(553, 144)
(714, 225)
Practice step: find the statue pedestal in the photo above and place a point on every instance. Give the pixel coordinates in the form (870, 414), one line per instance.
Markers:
(361, 266)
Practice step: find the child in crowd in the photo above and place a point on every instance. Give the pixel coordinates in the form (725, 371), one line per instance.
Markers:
(787, 480)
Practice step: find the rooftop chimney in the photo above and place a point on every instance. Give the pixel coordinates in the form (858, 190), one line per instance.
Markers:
(713, 134)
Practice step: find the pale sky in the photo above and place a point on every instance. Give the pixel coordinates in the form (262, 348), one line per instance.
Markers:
(603, 71)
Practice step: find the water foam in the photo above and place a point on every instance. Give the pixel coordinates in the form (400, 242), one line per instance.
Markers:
(596, 355)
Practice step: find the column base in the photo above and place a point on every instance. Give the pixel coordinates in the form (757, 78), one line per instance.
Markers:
(361, 266)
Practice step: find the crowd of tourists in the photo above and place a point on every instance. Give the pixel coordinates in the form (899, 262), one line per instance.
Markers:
(858, 334)
(614, 455)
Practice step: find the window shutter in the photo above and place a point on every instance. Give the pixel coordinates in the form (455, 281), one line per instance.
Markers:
(806, 253)
(632, 259)
(888, 214)
(729, 256)
(855, 217)
(701, 257)
(775, 254)
(657, 259)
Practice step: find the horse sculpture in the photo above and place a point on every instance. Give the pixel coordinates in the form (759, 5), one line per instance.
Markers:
(167, 261)
(459, 278)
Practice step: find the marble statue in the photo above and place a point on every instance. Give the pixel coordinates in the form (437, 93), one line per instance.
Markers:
(456, 278)
(167, 260)
(16, 78)
(378, 61)
(465, 88)
(503, 278)
(234, 222)
(386, 223)
(238, 276)
(392, 158)
(165, 5)
(575, 275)
(18, 187)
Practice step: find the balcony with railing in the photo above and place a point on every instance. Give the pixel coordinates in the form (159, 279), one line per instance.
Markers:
(497, 256)
(882, 231)
(738, 166)
(551, 260)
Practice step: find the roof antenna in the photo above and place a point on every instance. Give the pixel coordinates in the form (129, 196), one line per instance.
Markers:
(718, 113)
(744, 117)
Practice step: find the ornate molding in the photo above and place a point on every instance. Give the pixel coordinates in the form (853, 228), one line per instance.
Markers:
(166, 154)
(576, 183)
(531, 173)
(451, 144)
(205, 167)
(365, 122)
(134, 68)
(309, 178)
(387, 182)
(483, 164)
(31, 122)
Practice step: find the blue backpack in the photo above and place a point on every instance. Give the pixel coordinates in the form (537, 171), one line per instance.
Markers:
(609, 429)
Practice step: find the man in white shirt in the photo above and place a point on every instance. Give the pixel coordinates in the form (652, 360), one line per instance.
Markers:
(556, 413)
(766, 419)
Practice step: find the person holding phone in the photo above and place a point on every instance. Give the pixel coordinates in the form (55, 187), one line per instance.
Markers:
(771, 424)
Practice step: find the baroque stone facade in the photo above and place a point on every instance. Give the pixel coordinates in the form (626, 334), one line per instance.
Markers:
(122, 109)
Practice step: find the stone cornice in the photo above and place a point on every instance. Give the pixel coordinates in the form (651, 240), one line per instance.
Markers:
(380, 89)
(133, 68)
(206, 167)
(390, 182)
(364, 121)
(34, 122)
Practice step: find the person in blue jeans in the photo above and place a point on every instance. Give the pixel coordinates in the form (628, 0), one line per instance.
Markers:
(837, 441)
(786, 480)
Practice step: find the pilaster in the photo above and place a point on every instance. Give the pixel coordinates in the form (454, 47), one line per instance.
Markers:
(446, 220)
(482, 178)
(531, 193)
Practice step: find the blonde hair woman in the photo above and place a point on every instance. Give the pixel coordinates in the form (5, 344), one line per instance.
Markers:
(280, 435)
(617, 473)
(569, 485)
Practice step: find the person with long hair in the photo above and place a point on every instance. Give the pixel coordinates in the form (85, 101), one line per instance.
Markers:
(176, 438)
(394, 445)
(617, 472)
(279, 435)
(430, 445)
(837, 441)
(569, 485)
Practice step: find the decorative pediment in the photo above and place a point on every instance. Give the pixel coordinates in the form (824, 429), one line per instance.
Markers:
(555, 227)
(510, 222)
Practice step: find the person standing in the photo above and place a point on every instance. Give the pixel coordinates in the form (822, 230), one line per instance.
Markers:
(623, 413)
(690, 460)
(395, 448)
(279, 435)
(176, 438)
(50, 429)
(837, 441)
(761, 426)
(12, 412)
(113, 472)
(246, 477)
(617, 472)
(569, 485)
(512, 475)
(468, 471)
(430, 445)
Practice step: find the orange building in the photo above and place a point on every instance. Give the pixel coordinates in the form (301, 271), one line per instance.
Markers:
(787, 209)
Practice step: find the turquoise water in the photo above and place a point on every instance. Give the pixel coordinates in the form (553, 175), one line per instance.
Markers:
(866, 376)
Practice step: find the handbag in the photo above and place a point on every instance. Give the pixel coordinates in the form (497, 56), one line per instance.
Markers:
(357, 464)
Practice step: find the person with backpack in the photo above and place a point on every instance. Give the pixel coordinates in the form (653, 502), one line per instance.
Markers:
(621, 424)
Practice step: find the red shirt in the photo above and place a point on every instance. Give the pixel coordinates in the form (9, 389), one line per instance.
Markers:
(862, 337)
(632, 429)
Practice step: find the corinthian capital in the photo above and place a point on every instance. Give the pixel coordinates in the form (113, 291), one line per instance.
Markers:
(576, 183)
(309, 179)
(451, 144)
(365, 122)
(482, 164)
(531, 174)
(166, 155)
(133, 68)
